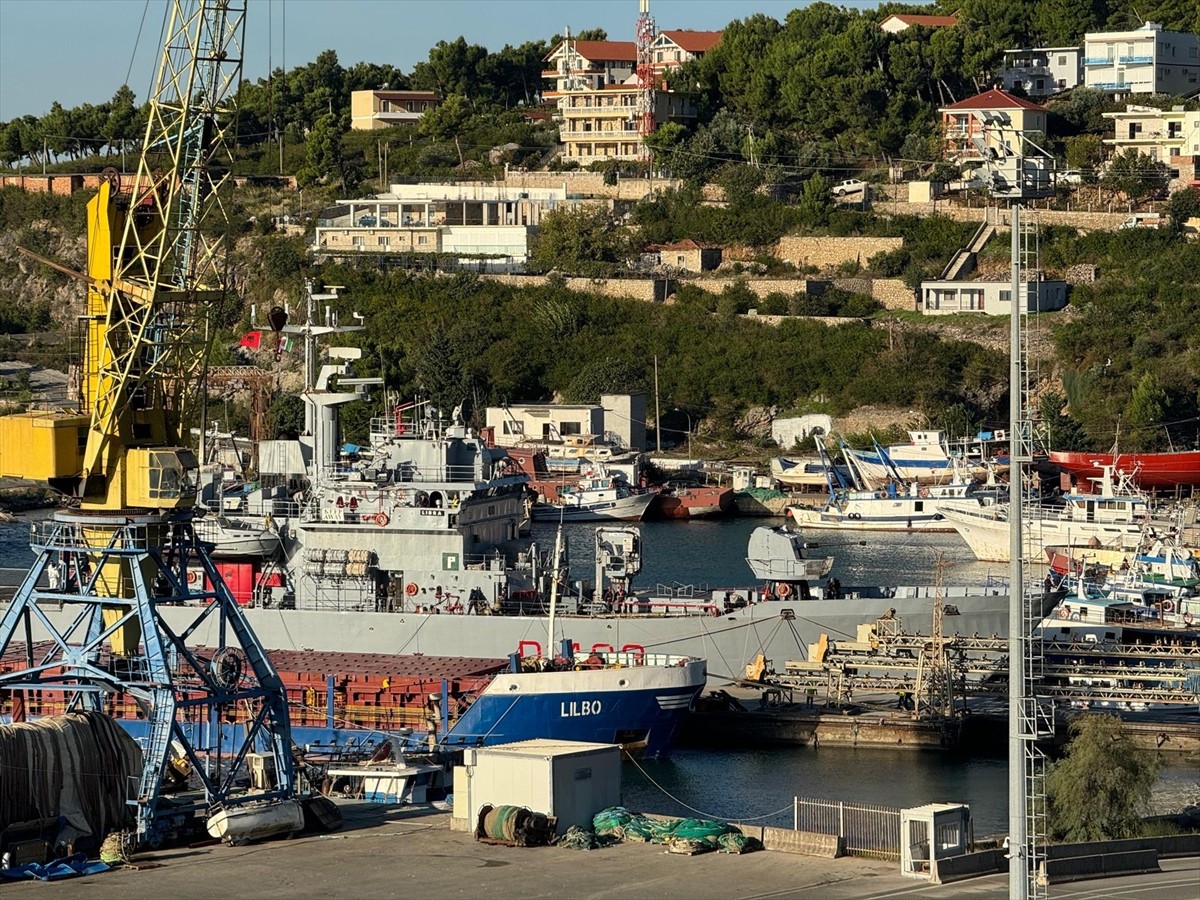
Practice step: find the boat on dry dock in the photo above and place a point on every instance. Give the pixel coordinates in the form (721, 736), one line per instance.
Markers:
(1114, 517)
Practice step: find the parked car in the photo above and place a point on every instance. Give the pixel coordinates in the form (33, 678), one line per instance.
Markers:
(849, 186)
(367, 221)
(1143, 220)
(1070, 176)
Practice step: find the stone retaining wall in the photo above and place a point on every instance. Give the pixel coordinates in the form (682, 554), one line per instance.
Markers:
(648, 289)
(829, 252)
(1088, 221)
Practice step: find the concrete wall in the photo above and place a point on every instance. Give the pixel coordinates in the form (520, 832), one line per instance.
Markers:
(828, 252)
(1089, 221)
(587, 183)
(50, 184)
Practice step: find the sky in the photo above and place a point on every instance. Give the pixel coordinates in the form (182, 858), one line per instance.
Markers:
(81, 51)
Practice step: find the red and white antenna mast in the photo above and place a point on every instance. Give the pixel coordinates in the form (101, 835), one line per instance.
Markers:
(646, 32)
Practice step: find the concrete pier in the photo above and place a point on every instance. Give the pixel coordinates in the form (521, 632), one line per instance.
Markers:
(387, 851)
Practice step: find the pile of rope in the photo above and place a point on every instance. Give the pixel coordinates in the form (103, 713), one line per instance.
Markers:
(514, 825)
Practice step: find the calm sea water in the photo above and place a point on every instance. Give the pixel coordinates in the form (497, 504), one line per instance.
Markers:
(760, 783)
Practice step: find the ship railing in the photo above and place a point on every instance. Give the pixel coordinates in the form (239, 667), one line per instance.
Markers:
(658, 607)
(402, 474)
(676, 589)
(634, 658)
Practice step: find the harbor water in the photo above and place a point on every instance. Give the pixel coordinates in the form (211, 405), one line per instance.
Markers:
(760, 783)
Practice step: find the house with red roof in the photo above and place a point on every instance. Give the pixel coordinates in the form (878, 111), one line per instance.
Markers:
(595, 88)
(988, 120)
(903, 21)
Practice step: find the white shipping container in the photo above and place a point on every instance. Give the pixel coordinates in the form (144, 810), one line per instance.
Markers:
(569, 780)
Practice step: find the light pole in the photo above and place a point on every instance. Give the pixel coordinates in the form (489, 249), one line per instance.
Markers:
(689, 431)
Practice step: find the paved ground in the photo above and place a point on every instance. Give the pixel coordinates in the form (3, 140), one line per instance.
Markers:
(396, 851)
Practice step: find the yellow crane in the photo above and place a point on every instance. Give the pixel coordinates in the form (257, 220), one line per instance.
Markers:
(156, 262)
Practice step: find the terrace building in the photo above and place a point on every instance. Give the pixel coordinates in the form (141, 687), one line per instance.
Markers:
(371, 110)
(1146, 60)
(1043, 71)
(1171, 137)
(966, 139)
(596, 89)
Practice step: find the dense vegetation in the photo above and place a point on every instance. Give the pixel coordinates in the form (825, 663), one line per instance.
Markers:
(786, 107)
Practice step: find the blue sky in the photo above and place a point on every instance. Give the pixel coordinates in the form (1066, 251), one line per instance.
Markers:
(81, 51)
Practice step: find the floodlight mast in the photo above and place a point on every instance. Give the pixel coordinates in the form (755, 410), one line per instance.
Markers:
(1019, 170)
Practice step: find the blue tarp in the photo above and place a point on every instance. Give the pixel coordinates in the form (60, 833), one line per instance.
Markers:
(67, 867)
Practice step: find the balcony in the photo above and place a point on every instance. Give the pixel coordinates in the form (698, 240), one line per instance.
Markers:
(1098, 61)
(1135, 60)
(1112, 86)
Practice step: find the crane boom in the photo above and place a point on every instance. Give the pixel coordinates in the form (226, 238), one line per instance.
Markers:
(152, 292)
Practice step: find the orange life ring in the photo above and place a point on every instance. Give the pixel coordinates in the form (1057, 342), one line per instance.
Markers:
(411, 589)
(193, 577)
(1188, 618)
(1168, 606)
(782, 589)
(1064, 612)
(381, 519)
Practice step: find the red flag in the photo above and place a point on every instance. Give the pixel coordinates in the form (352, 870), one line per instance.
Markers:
(251, 340)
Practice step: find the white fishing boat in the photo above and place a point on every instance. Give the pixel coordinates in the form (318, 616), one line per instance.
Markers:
(1113, 517)
(598, 496)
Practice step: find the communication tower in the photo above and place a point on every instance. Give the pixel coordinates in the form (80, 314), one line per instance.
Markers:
(646, 33)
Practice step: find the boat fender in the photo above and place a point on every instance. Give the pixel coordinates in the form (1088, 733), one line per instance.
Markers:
(855, 516)
(1168, 606)
(411, 589)
(381, 519)
(1065, 612)
(782, 589)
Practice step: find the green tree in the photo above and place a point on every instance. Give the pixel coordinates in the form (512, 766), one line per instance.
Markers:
(1144, 414)
(446, 121)
(285, 416)
(582, 241)
(816, 202)
(1062, 23)
(1135, 175)
(1101, 788)
(607, 375)
(1084, 152)
(323, 156)
(123, 124)
(440, 372)
(1183, 205)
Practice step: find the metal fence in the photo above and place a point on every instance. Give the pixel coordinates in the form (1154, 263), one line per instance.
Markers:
(865, 829)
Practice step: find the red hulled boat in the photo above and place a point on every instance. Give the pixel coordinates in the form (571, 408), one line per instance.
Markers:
(1146, 470)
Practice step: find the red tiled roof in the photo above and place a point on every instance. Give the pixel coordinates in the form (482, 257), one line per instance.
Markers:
(623, 51)
(694, 41)
(996, 99)
(925, 21)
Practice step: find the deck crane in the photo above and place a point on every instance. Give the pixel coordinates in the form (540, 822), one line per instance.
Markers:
(125, 546)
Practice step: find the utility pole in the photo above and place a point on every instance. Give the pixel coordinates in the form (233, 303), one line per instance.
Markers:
(657, 429)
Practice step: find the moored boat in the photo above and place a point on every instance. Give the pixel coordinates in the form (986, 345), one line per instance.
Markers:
(691, 501)
(1114, 517)
(1148, 471)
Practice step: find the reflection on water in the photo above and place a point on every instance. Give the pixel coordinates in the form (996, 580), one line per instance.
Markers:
(748, 784)
(713, 552)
